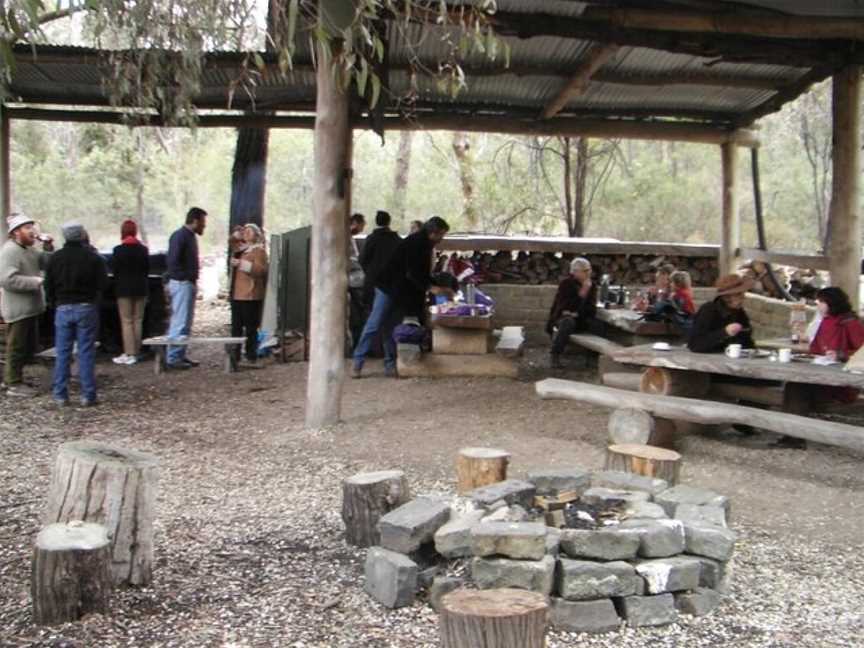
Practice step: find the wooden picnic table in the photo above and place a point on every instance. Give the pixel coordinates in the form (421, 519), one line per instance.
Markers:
(681, 358)
(627, 326)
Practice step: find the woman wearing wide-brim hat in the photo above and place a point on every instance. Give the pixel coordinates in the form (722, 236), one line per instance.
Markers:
(723, 321)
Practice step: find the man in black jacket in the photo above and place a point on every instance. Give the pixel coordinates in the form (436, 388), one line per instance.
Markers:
(377, 250)
(183, 268)
(74, 281)
(574, 309)
(401, 292)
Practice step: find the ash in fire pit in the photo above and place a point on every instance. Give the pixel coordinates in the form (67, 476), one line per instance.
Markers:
(582, 515)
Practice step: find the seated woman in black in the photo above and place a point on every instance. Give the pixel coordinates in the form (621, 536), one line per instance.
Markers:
(574, 308)
(723, 321)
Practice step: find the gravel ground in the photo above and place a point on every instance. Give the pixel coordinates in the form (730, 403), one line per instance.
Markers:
(249, 548)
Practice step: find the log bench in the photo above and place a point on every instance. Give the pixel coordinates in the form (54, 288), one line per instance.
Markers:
(696, 410)
(595, 343)
(160, 347)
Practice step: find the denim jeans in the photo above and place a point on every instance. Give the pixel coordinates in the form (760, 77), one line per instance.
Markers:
(75, 323)
(182, 313)
(382, 318)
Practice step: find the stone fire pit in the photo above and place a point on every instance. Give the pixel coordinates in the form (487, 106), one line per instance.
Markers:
(606, 547)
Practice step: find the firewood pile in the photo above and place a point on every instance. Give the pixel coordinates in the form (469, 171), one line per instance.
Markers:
(801, 283)
(550, 268)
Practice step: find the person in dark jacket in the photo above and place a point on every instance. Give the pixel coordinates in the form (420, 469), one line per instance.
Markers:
(74, 281)
(377, 250)
(183, 268)
(401, 292)
(574, 309)
(130, 263)
(723, 321)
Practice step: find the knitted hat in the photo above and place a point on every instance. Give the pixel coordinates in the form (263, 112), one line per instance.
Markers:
(73, 232)
(732, 284)
(128, 228)
(16, 220)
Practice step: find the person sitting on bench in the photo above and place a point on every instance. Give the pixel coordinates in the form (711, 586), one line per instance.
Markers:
(723, 321)
(574, 309)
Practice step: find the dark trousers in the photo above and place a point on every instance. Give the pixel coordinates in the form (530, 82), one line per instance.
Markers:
(22, 342)
(245, 320)
(567, 326)
(357, 314)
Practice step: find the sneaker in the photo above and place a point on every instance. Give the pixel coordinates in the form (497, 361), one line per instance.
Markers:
(131, 360)
(177, 366)
(20, 390)
(61, 402)
(390, 372)
(356, 372)
(190, 363)
(121, 359)
(89, 402)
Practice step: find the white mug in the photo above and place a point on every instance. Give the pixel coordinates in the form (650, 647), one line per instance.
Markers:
(734, 350)
(784, 355)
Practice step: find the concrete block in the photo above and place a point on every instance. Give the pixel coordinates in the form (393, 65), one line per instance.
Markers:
(585, 580)
(520, 540)
(406, 528)
(600, 544)
(391, 578)
(551, 481)
(584, 616)
(534, 575)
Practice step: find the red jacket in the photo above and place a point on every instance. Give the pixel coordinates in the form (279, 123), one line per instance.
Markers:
(841, 333)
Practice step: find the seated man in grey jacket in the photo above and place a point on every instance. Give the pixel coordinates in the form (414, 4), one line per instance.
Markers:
(21, 299)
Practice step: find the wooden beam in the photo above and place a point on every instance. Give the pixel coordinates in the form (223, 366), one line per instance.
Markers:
(328, 263)
(739, 23)
(788, 93)
(730, 234)
(844, 220)
(814, 261)
(696, 410)
(5, 173)
(593, 60)
(462, 243)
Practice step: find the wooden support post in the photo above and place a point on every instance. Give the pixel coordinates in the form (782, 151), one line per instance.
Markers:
(730, 233)
(674, 382)
(644, 460)
(844, 219)
(328, 263)
(366, 497)
(476, 467)
(496, 618)
(95, 482)
(5, 173)
(71, 575)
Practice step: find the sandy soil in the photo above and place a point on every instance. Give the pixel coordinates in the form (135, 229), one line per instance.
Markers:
(248, 540)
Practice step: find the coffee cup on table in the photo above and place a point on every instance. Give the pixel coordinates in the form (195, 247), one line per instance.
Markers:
(734, 350)
(784, 355)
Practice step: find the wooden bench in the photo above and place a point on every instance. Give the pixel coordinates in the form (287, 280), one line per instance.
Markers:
(695, 410)
(160, 347)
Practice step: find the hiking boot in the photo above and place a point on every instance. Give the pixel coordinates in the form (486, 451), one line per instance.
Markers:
(20, 390)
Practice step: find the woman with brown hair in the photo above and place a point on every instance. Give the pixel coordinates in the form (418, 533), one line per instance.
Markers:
(248, 285)
(130, 264)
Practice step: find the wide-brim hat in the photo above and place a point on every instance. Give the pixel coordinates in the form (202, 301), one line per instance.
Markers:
(15, 220)
(732, 284)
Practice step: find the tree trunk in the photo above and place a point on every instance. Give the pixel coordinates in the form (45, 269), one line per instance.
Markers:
(496, 618)
(366, 497)
(329, 262)
(400, 184)
(249, 177)
(95, 482)
(476, 467)
(644, 460)
(568, 187)
(581, 181)
(462, 150)
(71, 574)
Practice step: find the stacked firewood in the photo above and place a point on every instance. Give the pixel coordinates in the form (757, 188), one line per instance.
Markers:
(799, 282)
(550, 268)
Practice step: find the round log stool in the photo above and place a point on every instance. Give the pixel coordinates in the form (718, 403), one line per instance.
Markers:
(628, 425)
(496, 618)
(71, 574)
(366, 497)
(116, 487)
(476, 467)
(645, 460)
(674, 382)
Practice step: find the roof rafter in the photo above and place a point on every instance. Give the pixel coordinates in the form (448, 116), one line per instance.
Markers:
(588, 65)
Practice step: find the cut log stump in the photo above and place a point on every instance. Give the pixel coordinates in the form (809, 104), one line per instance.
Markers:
(71, 572)
(645, 460)
(674, 382)
(366, 497)
(476, 467)
(630, 425)
(115, 487)
(495, 618)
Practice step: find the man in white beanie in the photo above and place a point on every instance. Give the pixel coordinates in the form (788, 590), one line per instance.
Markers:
(21, 299)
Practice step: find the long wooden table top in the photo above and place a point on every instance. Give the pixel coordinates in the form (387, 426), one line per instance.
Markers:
(718, 363)
(631, 321)
(783, 343)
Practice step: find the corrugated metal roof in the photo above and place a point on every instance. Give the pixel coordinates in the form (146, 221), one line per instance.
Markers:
(706, 89)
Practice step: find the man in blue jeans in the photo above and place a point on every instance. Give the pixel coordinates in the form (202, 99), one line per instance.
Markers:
(74, 281)
(400, 291)
(183, 269)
